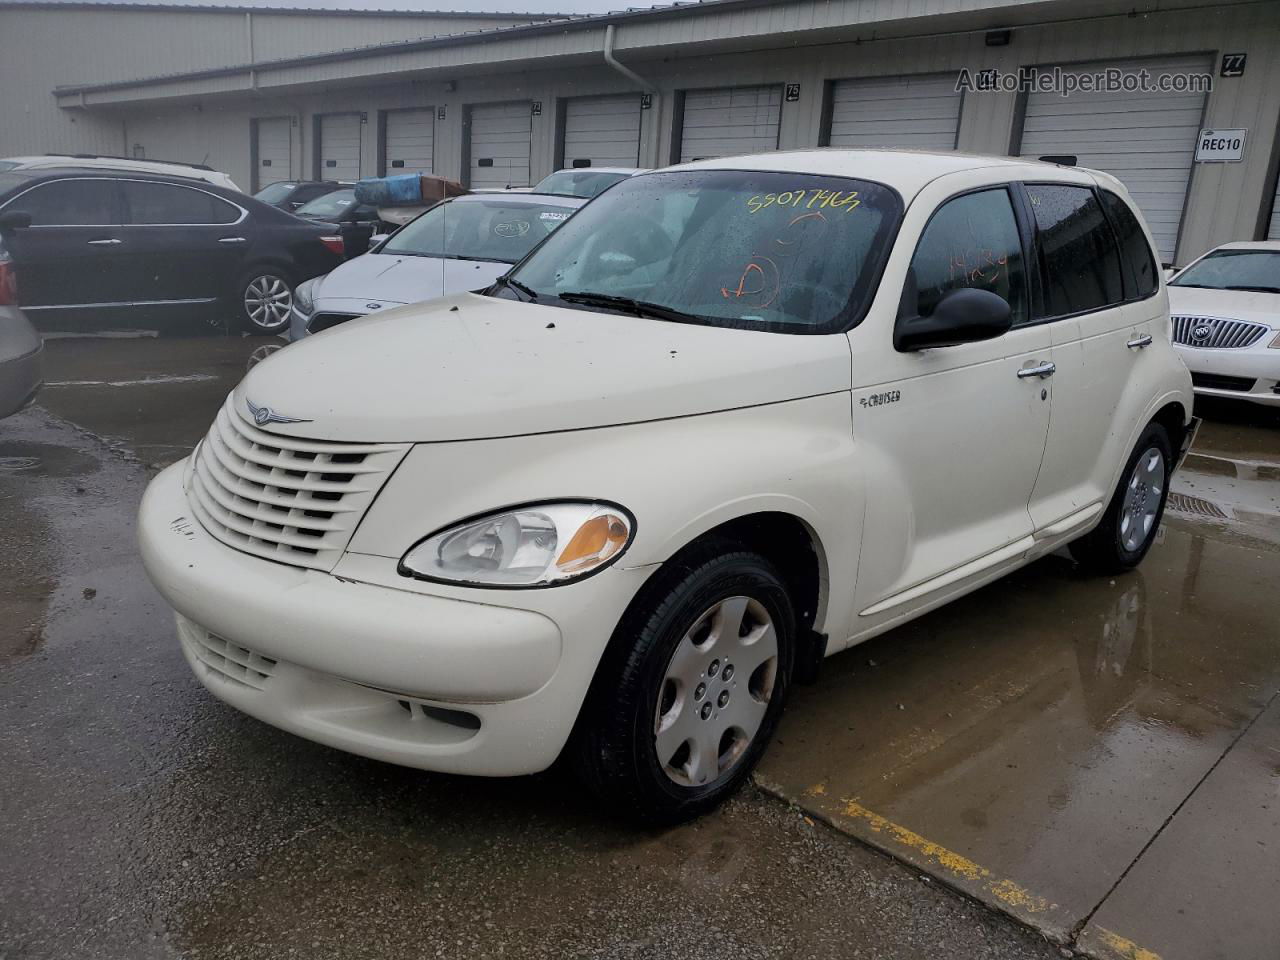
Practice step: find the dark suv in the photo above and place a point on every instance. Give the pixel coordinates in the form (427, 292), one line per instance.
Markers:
(289, 195)
(113, 247)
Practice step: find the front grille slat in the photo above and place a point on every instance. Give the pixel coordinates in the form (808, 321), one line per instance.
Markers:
(295, 501)
(229, 661)
(1223, 333)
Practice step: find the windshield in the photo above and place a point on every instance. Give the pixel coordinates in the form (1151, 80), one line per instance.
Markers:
(788, 252)
(1234, 270)
(330, 205)
(578, 183)
(499, 229)
(274, 192)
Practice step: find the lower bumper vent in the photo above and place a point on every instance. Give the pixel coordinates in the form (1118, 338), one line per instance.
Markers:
(1215, 381)
(230, 661)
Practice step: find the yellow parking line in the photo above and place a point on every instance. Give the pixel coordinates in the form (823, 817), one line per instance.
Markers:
(1122, 947)
(1005, 890)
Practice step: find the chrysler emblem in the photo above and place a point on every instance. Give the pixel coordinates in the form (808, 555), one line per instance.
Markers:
(264, 415)
(1202, 332)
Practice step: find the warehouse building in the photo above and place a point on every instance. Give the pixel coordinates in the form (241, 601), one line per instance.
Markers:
(500, 100)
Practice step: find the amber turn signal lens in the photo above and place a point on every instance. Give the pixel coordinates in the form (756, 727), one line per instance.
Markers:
(595, 542)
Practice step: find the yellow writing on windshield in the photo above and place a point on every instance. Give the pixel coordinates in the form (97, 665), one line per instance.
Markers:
(809, 198)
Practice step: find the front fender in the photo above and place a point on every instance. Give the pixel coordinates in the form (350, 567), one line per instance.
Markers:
(680, 478)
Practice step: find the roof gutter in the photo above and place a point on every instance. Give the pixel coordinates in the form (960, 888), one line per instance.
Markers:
(655, 128)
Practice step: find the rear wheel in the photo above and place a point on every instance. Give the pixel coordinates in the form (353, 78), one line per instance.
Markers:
(265, 298)
(691, 689)
(1128, 527)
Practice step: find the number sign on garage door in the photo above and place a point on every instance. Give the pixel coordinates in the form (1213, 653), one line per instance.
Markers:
(920, 112)
(500, 135)
(722, 123)
(1147, 139)
(339, 148)
(274, 150)
(410, 140)
(602, 131)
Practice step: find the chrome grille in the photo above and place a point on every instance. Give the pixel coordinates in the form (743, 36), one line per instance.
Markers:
(1216, 332)
(282, 498)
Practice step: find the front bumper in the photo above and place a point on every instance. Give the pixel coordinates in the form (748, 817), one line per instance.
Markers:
(1258, 363)
(20, 380)
(398, 675)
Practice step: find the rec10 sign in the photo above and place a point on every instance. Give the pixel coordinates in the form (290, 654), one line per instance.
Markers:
(1220, 146)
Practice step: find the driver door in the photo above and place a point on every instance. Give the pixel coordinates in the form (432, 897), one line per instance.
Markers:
(952, 437)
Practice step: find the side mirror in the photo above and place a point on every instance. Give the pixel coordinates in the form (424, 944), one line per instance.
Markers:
(15, 220)
(964, 315)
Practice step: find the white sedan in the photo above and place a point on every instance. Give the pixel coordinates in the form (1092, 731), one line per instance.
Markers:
(462, 244)
(1226, 321)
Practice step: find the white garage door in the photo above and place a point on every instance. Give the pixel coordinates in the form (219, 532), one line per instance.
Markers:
(723, 123)
(410, 146)
(910, 113)
(602, 131)
(340, 146)
(500, 134)
(1147, 139)
(275, 150)
(1273, 232)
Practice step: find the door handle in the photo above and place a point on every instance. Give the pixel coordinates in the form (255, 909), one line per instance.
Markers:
(231, 240)
(103, 243)
(1143, 340)
(1042, 370)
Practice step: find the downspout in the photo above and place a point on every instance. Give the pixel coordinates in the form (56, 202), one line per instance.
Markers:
(655, 133)
(248, 36)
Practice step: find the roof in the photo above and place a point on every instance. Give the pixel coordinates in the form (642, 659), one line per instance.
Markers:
(907, 171)
(1272, 246)
(375, 8)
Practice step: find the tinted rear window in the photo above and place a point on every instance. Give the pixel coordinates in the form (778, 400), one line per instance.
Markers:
(1139, 260)
(1079, 259)
(167, 203)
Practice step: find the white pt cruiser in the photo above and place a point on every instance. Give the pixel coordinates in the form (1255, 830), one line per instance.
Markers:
(730, 418)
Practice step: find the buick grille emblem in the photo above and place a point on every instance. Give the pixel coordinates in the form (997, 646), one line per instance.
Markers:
(264, 415)
(373, 306)
(1202, 332)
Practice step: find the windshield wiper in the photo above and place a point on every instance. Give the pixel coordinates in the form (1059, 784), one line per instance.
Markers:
(1253, 289)
(505, 281)
(641, 308)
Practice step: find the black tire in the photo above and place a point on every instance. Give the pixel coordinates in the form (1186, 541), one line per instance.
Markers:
(256, 280)
(614, 750)
(1103, 550)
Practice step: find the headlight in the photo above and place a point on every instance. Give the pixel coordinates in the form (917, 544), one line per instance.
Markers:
(530, 546)
(1275, 344)
(304, 296)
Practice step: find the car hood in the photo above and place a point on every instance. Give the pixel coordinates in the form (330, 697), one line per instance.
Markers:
(470, 367)
(1233, 304)
(387, 279)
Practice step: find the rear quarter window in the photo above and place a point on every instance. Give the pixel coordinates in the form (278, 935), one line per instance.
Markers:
(1142, 280)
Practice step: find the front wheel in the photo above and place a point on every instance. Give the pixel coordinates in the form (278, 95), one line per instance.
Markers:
(691, 688)
(265, 298)
(1128, 527)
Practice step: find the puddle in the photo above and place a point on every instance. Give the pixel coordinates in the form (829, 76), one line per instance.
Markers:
(45, 459)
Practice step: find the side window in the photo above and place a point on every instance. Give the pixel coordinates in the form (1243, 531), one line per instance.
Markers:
(168, 203)
(1135, 250)
(1078, 256)
(71, 203)
(971, 241)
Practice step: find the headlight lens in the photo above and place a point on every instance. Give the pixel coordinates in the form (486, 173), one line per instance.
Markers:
(1275, 344)
(304, 297)
(531, 546)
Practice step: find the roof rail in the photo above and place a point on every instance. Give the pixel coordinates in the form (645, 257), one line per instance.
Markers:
(112, 156)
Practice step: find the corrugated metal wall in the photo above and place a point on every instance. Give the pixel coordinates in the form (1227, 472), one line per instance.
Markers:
(1225, 200)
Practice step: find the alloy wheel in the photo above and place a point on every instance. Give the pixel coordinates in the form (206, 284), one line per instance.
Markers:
(716, 692)
(1142, 498)
(267, 301)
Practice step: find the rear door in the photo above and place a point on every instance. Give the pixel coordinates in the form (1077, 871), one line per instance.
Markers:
(602, 131)
(73, 255)
(185, 243)
(500, 144)
(730, 121)
(338, 153)
(1100, 301)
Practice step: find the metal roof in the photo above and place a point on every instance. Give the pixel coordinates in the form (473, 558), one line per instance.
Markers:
(345, 7)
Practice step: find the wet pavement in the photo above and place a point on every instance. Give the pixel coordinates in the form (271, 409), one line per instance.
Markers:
(1098, 758)
(141, 818)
